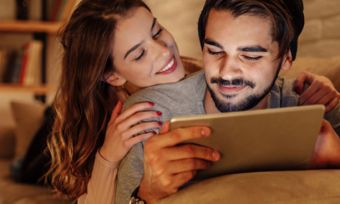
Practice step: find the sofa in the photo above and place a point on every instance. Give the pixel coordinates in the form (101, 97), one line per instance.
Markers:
(14, 142)
(312, 186)
(273, 187)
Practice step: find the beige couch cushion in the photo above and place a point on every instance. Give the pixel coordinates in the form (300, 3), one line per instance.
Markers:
(285, 187)
(28, 118)
(7, 142)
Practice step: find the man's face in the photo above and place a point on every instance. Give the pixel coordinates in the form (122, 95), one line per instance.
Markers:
(240, 60)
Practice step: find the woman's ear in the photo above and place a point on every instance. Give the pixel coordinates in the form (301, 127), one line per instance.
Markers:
(114, 79)
(287, 62)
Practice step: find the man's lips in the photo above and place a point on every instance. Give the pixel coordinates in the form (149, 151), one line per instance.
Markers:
(169, 67)
(230, 89)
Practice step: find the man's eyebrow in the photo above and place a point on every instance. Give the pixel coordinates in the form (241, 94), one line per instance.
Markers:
(213, 43)
(136, 46)
(255, 48)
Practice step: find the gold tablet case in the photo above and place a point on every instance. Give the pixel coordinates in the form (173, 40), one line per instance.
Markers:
(259, 140)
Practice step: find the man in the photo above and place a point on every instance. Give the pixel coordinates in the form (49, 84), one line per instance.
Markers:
(241, 68)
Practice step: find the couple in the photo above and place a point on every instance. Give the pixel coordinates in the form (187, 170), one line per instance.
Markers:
(112, 46)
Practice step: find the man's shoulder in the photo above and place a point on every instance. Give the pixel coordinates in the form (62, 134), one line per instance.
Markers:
(283, 94)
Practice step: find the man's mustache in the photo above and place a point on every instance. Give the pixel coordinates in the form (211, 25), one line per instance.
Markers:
(234, 82)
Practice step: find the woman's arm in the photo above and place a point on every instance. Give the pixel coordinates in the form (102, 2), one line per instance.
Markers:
(316, 89)
(123, 131)
(101, 187)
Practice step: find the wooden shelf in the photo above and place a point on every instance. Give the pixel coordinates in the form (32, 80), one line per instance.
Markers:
(21, 88)
(30, 26)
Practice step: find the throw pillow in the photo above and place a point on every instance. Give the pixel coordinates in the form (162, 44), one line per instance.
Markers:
(28, 118)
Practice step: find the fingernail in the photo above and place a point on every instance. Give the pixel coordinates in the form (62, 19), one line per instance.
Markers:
(151, 103)
(204, 132)
(216, 156)
(158, 113)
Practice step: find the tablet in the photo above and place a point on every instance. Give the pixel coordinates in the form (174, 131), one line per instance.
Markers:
(258, 140)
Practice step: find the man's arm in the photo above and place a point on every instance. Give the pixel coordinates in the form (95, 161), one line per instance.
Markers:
(169, 163)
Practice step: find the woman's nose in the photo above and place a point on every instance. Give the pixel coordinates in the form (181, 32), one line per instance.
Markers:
(160, 49)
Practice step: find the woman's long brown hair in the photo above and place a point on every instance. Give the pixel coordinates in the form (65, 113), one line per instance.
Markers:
(84, 101)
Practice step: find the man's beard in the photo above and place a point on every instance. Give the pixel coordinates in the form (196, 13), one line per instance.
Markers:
(249, 102)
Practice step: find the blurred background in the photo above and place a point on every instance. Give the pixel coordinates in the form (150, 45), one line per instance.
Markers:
(320, 38)
(30, 58)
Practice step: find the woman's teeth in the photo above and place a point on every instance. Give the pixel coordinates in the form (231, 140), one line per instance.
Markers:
(168, 66)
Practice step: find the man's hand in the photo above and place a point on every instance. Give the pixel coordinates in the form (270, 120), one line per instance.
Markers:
(168, 164)
(327, 148)
(320, 90)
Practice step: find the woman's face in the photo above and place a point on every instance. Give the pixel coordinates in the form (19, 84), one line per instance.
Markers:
(144, 53)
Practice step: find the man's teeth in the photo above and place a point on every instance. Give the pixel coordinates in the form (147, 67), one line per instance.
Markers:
(167, 67)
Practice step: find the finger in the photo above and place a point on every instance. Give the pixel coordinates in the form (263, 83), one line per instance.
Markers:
(327, 98)
(140, 128)
(165, 128)
(136, 118)
(188, 151)
(300, 81)
(332, 104)
(181, 135)
(312, 89)
(180, 166)
(317, 97)
(133, 109)
(183, 178)
(139, 138)
(116, 111)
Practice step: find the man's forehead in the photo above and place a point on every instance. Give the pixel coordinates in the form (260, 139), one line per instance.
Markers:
(223, 26)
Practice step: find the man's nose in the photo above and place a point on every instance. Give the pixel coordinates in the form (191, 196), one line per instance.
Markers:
(230, 68)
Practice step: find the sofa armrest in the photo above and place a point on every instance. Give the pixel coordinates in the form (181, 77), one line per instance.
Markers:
(7, 142)
(281, 187)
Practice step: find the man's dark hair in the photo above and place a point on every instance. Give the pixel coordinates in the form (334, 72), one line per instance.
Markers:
(286, 16)
(295, 7)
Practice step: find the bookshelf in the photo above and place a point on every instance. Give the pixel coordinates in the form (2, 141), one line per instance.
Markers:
(30, 26)
(28, 89)
(40, 30)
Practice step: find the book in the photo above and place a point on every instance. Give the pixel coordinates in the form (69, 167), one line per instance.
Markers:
(22, 9)
(35, 10)
(4, 54)
(13, 70)
(7, 10)
(31, 63)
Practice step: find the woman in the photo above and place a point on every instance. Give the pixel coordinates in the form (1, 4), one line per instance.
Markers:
(110, 47)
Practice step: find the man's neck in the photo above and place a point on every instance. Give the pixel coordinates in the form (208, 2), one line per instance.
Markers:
(210, 107)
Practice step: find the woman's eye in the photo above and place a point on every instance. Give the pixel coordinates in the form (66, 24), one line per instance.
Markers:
(252, 58)
(213, 52)
(156, 35)
(140, 55)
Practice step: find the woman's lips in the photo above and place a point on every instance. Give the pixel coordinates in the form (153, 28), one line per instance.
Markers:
(170, 67)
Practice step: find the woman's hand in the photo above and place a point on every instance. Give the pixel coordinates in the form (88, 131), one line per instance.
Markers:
(126, 129)
(320, 90)
(327, 147)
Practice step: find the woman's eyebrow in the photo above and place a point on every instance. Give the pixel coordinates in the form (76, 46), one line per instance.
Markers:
(154, 21)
